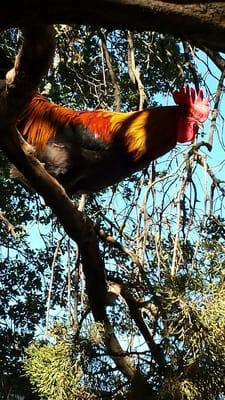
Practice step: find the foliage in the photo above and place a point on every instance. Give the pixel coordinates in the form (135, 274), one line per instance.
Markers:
(55, 369)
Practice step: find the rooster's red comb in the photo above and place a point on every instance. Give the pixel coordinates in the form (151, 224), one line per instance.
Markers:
(197, 103)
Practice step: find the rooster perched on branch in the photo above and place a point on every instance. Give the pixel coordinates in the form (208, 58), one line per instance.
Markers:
(90, 150)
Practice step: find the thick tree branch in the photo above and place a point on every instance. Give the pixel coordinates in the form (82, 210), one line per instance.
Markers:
(31, 63)
(136, 314)
(203, 22)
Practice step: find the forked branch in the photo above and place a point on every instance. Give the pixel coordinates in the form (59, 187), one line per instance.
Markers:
(31, 64)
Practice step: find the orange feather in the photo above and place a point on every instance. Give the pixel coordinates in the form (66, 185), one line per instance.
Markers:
(43, 120)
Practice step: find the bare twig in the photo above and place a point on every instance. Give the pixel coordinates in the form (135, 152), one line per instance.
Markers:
(112, 74)
(176, 253)
(48, 304)
(217, 182)
(69, 286)
(216, 107)
(109, 239)
(188, 54)
(134, 71)
(215, 56)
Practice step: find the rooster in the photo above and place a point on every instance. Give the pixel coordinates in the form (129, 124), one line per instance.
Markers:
(91, 150)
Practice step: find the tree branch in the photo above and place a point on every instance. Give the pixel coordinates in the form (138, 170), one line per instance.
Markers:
(136, 314)
(217, 182)
(111, 241)
(218, 60)
(31, 64)
(109, 63)
(215, 110)
(203, 22)
(190, 61)
(134, 72)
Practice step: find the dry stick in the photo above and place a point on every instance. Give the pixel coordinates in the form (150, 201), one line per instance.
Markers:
(147, 218)
(103, 64)
(216, 107)
(215, 57)
(134, 72)
(220, 63)
(189, 60)
(109, 239)
(48, 304)
(109, 63)
(81, 207)
(217, 182)
(68, 306)
(170, 59)
(31, 64)
(174, 265)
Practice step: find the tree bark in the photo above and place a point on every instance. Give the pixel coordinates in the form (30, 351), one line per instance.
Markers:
(202, 22)
(31, 64)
